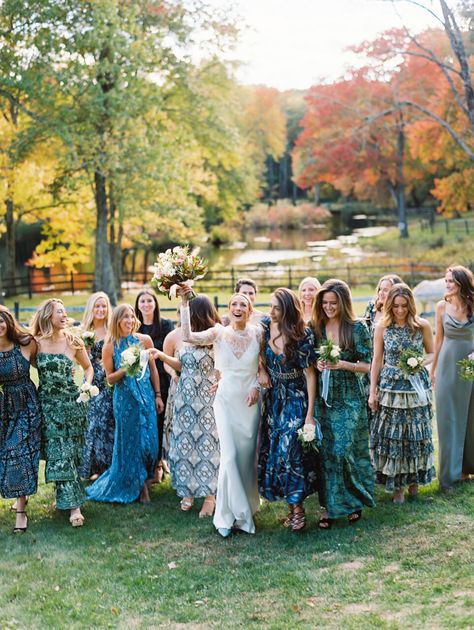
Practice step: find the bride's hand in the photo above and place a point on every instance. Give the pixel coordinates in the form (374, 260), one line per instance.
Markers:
(252, 398)
(154, 353)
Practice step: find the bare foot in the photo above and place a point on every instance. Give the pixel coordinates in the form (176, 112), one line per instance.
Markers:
(76, 518)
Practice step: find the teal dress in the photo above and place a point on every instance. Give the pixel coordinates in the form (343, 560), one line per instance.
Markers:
(63, 428)
(347, 480)
(136, 437)
(401, 440)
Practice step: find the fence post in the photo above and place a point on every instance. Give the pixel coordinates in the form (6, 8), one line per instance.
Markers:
(446, 223)
(16, 310)
(72, 283)
(348, 275)
(412, 274)
(232, 277)
(466, 223)
(289, 278)
(30, 288)
(216, 302)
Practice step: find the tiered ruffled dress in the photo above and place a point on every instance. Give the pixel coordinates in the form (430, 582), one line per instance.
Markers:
(63, 430)
(401, 436)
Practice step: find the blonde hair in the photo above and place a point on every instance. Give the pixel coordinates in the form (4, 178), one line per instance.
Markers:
(113, 332)
(246, 298)
(310, 280)
(404, 291)
(88, 317)
(41, 325)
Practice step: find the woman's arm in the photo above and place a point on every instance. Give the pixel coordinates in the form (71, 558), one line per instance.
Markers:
(377, 363)
(204, 338)
(310, 376)
(439, 337)
(428, 342)
(147, 343)
(169, 348)
(82, 358)
(113, 376)
(173, 362)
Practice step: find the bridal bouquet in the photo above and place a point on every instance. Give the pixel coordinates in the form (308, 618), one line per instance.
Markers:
(88, 337)
(329, 352)
(130, 361)
(466, 368)
(310, 436)
(87, 391)
(410, 362)
(174, 267)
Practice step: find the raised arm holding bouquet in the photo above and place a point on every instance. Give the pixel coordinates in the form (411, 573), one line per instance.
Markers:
(175, 268)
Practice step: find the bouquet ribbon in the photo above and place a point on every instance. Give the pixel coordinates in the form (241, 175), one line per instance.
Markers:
(326, 377)
(174, 287)
(143, 363)
(417, 385)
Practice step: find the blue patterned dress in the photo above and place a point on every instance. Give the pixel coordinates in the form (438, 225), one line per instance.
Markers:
(401, 439)
(136, 437)
(282, 470)
(347, 483)
(20, 424)
(99, 443)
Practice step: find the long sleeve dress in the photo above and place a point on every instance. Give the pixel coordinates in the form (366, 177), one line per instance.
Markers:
(281, 466)
(236, 357)
(136, 437)
(347, 481)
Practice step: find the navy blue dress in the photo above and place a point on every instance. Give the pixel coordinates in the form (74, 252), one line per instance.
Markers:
(136, 437)
(20, 426)
(99, 444)
(284, 470)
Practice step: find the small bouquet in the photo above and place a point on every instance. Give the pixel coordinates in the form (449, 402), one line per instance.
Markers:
(310, 436)
(130, 361)
(329, 352)
(88, 337)
(411, 362)
(87, 391)
(466, 368)
(174, 267)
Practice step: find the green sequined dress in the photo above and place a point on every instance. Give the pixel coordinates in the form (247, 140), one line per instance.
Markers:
(64, 426)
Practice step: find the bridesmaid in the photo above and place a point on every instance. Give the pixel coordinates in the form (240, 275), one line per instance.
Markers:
(454, 397)
(288, 404)
(64, 419)
(136, 404)
(347, 477)
(373, 311)
(152, 324)
(20, 419)
(307, 291)
(401, 442)
(100, 416)
(194, 445)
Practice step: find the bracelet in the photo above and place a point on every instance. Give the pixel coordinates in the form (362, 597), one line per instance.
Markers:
(157, 394)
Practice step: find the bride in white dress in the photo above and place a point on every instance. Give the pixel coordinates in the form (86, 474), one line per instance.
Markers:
(236, 352)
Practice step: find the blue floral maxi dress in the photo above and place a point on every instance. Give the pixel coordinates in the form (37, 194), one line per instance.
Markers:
(20, 424)
(282, 466)
(99, 443)
(347, 481)
(401, 438)
(136, 437)
(194, 447)
(63, 429)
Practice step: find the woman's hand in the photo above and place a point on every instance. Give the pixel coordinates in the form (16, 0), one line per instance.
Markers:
(374, 401)
(325, 365)
(153, 353)
(310, 419)
(159, 404)
(263, 378)
(433, 378)
(252, 398)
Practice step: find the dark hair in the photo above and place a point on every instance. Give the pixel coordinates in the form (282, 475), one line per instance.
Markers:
(465, 280)
(15, 332)
(156, 323)
(347, 317)
(292, 324)
(393, 279)
(203, 313)
(248, 281)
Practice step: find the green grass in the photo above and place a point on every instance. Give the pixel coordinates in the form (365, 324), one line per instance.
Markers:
(137, 566)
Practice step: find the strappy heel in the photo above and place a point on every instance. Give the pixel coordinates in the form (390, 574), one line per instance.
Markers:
(298, 521)
(21, 530)
(289, 517)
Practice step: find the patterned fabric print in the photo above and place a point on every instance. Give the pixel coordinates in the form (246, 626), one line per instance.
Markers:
(100, 417)
(348, 479)
(168, 423)
(194, 449)
(64, 423)
(20, 425)
(401, 437)
(285, 471)
(136, 437)
(369, 316)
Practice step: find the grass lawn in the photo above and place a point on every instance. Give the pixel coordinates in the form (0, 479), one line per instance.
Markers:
(135, 566)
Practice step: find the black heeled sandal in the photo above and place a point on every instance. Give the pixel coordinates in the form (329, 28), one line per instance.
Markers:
(325, 523)
(354, 517)
(21, 530)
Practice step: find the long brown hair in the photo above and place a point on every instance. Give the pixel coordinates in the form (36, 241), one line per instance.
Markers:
(465, 280)
(291, 324)
(393, 279)
(15, 332)
(347, 317)
(404, 291)
(203, 313)
(42, 327)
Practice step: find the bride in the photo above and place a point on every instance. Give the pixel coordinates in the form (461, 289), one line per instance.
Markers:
(236, 352)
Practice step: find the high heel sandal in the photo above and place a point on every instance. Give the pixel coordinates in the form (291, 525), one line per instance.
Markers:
(325, 522)
(208, 507)
(354, 517)
(13, 505)
(77, 520)
(298, 521)
(21, 530)
(186, 504)
(289, 517)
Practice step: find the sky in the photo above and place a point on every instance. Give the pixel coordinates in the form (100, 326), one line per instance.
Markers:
(296, 43)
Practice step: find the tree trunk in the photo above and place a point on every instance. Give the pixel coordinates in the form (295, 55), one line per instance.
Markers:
(10, 238)
(317, 194)
(104, 278)
(400, 182)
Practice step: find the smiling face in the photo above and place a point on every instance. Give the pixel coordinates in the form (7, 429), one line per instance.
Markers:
(330, 305)
(249, 291)
(308, 293)
(146, 304)
(127, 324)
(400, 309)
(452, 288)
(239, 310)
(100, 309)
(384, 288)
(59, 319)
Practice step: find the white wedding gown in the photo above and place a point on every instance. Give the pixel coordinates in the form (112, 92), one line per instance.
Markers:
(236, 358)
